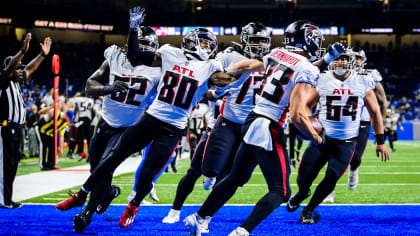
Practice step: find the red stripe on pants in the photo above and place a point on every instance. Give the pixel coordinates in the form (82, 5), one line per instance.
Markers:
(275, 135)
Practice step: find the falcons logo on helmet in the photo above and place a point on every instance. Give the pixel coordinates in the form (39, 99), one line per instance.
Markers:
(311, 32)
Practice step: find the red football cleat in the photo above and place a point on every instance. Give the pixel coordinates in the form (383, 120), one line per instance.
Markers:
(128, 217)
(72, 202)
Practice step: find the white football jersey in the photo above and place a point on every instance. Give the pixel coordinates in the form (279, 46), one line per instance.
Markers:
(124, 109)
(196, 120)
(283, 70)
(183, 84)
(377, 78)
(84, 106)
(341, 103)
(240, 100)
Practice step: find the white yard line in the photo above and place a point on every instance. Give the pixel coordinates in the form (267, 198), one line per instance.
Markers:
(258, 185)
(41, 183)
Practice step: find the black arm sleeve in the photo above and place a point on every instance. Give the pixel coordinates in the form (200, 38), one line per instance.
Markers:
(4, 80)
(134, 54)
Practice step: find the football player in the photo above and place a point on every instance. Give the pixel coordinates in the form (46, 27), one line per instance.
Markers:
(83, 113)
(224, 139)
(289, 78)
(126, 90)
(186, 184)
(341, 93)
(187, 74)
(359, 61)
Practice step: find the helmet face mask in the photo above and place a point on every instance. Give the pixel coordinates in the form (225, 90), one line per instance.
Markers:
(304, 36)
(148, 40)
(343, 63)
(201, 43)
(359, 58)
(255, 40)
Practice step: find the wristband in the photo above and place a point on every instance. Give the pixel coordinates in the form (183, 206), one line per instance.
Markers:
(328, 58)
(380, 139)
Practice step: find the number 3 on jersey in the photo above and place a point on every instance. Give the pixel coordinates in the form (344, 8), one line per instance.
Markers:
(182, 88)
(129, 96)
(277, 81)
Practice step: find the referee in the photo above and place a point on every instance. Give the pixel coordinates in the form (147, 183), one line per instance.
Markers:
(12, 115)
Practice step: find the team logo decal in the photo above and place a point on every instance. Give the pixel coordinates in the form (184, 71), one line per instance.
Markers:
(311, 32)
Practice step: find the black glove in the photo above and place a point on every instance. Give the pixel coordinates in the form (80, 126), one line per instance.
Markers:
(117, 86)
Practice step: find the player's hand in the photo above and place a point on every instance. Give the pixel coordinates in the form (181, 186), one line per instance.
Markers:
(117, 87)
(136, 16)
(25, 44)
(333, 52)
(383, 151)
(193, 136)
(46, 46)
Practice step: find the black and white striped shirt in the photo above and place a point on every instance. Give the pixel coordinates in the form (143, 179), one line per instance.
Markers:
(12, 106)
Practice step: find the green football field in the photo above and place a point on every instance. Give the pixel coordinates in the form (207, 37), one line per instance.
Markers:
(394, 182)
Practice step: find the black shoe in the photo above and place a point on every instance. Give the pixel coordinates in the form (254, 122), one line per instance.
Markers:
(16, 205)
(13, 205)
(81, 221)
(294, 202)
(107, 201)
(306, 216)
(46, 168)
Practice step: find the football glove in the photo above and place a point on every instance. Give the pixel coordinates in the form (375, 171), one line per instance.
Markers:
(136, 17)
(333, 52)
(117, 86)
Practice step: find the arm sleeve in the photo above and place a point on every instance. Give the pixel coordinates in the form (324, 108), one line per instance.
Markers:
(309, 76)
(134, 54)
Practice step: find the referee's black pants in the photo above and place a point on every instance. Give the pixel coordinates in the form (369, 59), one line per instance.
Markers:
(9, 159)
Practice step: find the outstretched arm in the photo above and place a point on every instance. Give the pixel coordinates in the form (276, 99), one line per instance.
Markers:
(34, 64)
(221, 79)
(333, 52)
(246, 66)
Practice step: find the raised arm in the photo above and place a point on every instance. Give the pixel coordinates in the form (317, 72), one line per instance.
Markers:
(14, 62)
(333, 52)
(134, 54)
(377, 124)
(96, 84)
(302, 96)
(34, 64)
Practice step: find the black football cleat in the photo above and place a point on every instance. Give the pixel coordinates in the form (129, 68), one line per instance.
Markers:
(294, 202)
(107, 200)
(81, 221)
(306, 216)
